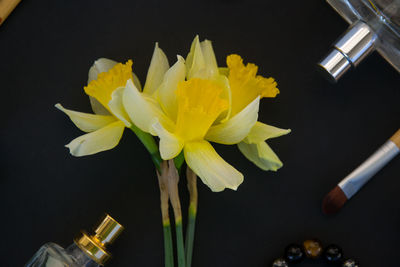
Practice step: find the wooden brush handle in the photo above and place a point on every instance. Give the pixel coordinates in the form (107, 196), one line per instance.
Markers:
(6, 6)
(396, 138)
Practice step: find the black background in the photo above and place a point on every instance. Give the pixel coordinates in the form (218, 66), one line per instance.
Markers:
(46, 49)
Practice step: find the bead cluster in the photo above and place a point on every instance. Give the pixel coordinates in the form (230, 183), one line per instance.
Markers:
(313, 249)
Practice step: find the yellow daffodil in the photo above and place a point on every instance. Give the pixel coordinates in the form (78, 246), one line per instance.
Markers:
(107, 79)
(186, 114)
(195, 102)
(187, 105)
(245, 86)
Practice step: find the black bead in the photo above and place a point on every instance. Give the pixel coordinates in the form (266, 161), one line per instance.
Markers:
(350, 263)
(280, 263)
(312, 248)
(294, 253)
(333, 253)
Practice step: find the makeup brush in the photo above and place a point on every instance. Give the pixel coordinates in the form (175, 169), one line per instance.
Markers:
(6, 6)
(353, 182)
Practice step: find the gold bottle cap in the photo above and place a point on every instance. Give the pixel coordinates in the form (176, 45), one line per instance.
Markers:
(95, 245)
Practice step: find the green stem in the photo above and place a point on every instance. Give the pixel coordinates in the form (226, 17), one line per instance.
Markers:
(168, 246)
(179, 160)
(149, 143)
(190, 235)
(164, 201)
(170, 173)
(192, 187)
(179, 242)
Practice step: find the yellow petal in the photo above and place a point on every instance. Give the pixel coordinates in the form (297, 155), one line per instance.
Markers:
(158, 66)
(103, 139)
(107, 82)
(210, 167)
(236, 128)
(246, 85)
(85, 121)
(261, 132)
(117, 107)
(261, 155)
(143, 110)
(170, 144)
(195, 59)
(166, 91)
(199, 104)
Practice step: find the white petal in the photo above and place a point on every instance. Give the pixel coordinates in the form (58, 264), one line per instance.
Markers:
(103, 139)
(143, 110)
(104, 65)
(85, 121)
(158, 66)
(236, 128)
(99, 66)
(261, 132)
(261, 155)
(166, 91)
(210, 167)
(170, 144)
(195, 59)
(117, 107)
(209, 58)
(97, 107)
(226, 94)
(136, 81)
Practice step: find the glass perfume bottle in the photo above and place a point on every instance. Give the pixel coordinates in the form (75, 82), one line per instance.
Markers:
(86, 251)
(375, 25)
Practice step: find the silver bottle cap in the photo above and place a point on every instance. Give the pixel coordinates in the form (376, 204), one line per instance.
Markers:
(354, 45)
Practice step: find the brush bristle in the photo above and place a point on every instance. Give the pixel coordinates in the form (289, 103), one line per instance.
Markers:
(334, 201)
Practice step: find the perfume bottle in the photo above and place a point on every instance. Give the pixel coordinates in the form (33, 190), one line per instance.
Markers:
(375, 25)
(86, 251)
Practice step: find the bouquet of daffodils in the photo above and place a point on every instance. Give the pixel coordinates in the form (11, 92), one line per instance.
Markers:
(183, 107)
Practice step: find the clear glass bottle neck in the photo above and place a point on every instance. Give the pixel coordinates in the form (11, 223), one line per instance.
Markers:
(80, 257)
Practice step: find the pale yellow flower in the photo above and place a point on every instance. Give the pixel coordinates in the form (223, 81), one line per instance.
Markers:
(107, 80)
(194, 102)
(186, 114)
(245, 86)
